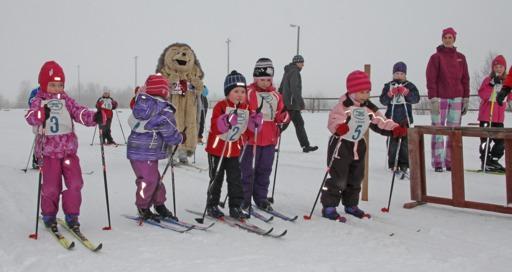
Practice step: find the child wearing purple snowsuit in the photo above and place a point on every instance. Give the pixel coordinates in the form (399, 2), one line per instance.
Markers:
(53, 112)
(153, 130)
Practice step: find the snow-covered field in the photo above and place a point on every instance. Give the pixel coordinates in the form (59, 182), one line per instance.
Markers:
(428, 238)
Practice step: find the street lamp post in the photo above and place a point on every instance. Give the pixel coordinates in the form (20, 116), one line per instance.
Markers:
(135, 68)
(78, 72)
(228, 41)
(298, 35)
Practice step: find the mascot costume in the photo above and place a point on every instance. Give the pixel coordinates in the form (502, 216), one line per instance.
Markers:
(179, 64)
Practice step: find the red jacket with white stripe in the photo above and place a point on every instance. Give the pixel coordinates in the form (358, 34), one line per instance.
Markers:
(215, 143)
(273, 111)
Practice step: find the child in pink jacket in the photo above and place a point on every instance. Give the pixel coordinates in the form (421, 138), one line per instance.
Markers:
(348, 122)
(487, 92)
(53, 112)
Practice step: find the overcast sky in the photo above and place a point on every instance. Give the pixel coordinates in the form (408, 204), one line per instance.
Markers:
(336, 37)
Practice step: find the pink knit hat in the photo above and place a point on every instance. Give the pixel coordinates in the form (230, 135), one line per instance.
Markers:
(358, 81)
(499, 60)
(449, 31)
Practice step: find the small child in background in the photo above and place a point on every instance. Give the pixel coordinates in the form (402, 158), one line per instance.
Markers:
(491, 85)
(398, 95)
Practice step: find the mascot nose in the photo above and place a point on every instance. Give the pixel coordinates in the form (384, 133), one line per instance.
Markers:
(184, 54)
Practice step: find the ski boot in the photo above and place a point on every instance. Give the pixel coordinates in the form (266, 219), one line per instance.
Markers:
(163, 212)
(265, 205)
(50, 222)
(332, 214)
(494, 163)
(238, 213)
(308, 149)
(147, 214)
(72, 222)
(355, 211)
(214, 211)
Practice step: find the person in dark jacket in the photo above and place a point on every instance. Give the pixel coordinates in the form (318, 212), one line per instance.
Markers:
(108, 105)
(291, 90)
(398, 95)
(448, 91)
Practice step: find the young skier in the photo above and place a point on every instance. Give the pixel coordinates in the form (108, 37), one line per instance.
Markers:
(262, 93)
(153, 130)
(230, 119)
(487, 92)
(54, 113)
(348, 122)
(107, 104)
(398, 95)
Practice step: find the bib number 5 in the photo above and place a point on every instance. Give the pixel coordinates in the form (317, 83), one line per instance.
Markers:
(357, 132)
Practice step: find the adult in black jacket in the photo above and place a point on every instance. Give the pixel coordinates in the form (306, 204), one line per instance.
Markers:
(291, 90)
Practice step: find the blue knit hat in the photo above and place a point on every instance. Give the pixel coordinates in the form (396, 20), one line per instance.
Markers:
(233, 80)
(298, 59)
(400, 67)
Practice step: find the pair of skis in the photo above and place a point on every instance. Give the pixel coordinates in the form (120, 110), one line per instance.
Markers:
(68, 244)
(243, 224)
(170, 224)
(272, 213)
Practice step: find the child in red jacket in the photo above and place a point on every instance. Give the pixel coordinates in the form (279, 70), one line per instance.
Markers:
(268, 106)
(487, 92)
(230, 119)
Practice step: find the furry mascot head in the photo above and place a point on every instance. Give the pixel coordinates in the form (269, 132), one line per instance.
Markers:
(179, 62)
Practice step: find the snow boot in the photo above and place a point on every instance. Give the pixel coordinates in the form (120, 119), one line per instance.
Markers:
(72, 222)
(307, 149)
(147, 214)
(238, 213)
(332, 214)
(214, 211)
(355, 211)
(265, 205)
(163, 212)
(50, 221)
(494, 163)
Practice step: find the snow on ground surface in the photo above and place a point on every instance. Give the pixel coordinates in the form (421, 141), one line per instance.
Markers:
(427, 238)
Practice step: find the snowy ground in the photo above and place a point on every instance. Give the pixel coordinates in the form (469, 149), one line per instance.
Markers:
(428, 238)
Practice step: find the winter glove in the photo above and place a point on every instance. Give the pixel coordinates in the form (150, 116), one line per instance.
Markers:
(403, 91)
(399, 132)
(502, 94)
(465, 105)
(393, 91)
(283, 118)
(495, 80)
(435, 105)
(43, 113)
(342, 129)
(100, 118)
(255, 120)
(226, 122)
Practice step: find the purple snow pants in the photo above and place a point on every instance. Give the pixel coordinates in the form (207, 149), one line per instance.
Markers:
(150, 190)
(264, 162)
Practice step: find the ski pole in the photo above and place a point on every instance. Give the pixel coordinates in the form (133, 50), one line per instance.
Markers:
(391, 86)
(334, 155)
(30, 153)
(100, 130)
(34, 235)
(254, 149)
(93, 136)
(170, 163)
(121, 126)
(386, 210)
(271, 199)
(214, 176)
(493, 100)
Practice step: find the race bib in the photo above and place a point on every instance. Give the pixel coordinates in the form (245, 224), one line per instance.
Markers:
(358, 125)
(269, 108)
(137, 125)
(237, 130)
(107, 103)
(59, 121)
